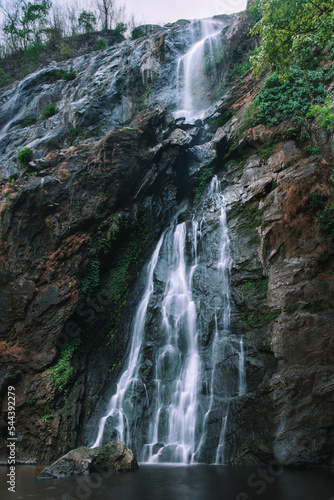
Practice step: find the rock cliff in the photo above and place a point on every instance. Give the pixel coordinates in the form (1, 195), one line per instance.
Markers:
(79, 222)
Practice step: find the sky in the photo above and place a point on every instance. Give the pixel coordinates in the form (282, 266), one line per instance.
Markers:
(159, 12)
(167, 11)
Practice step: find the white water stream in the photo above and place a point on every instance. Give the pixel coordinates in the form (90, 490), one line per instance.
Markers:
(191, 72)
(176, 408)
(130, 377)
(177, 419)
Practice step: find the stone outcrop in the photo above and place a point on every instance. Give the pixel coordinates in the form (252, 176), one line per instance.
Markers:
(112, 456)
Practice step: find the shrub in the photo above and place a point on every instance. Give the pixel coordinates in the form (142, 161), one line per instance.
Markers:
(279, 100)
(102, 44)
(315, 201)
(312, 150)
(325, 218)
(4, 78)
(53, 75)
(121, 28)
(137, 33)
(25, 156)
(65, 51)
(50, 110)
(70, 75)
(29, 121)
(323, 114)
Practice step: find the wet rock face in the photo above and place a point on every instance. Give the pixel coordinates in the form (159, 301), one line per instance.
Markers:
(50, 224)
(112, 456)
(110, 87)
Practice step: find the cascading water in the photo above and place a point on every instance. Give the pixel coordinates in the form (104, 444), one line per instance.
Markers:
(193, 68)
(118, 404)
(178, 362)
(178, 421)
(185, 366)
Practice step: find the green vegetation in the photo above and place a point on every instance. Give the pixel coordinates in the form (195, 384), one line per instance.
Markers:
(312, 150)
(65, 51)
(123, 243)
(141, 102)
(315, 201)
(53, 75)
(4, 78)
(62, 371)
(204, 179)
(325, 218)
(92, 278)
(258, 286)
(25, 22)
(291, 32)
(50, 110)
(121, 28)
(101, 44)
(29, 121)
(323, 114)
(25, 156)
(114, 284)
(241, 67)
(70, 75)
(137, 33)
(30, 57)
(255, 320)
(278, 101)
(87, 21)
(250, 119)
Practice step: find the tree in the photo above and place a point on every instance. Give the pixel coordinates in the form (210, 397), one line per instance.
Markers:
(87, 21)
(291, 30)
(25, 21)
(106, 12)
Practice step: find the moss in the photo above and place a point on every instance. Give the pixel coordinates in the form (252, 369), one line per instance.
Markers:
(62, 371)
(256, 319)
(91, 279)
(258, 286)
(203, 182)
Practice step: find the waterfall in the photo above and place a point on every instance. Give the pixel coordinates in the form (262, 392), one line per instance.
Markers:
(117, 409)
(177, 363)
(192, 71)
(242, 370)
(174, 399)
(177, 420)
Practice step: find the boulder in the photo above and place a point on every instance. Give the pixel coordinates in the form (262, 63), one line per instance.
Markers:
(113, 455)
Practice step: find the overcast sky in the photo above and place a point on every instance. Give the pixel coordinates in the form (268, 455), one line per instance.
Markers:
(166, 11)
(155, 11)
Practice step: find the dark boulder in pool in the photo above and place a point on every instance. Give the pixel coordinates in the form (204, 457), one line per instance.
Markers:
(112, 456)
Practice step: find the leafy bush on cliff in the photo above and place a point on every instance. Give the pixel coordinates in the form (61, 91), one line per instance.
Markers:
(50, 110)
(279, 100)
(325, 219)
(25, 156)
(101, 44)
(323, 114)
(70, 75)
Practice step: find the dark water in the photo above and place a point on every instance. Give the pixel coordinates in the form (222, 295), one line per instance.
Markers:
(157, 482)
